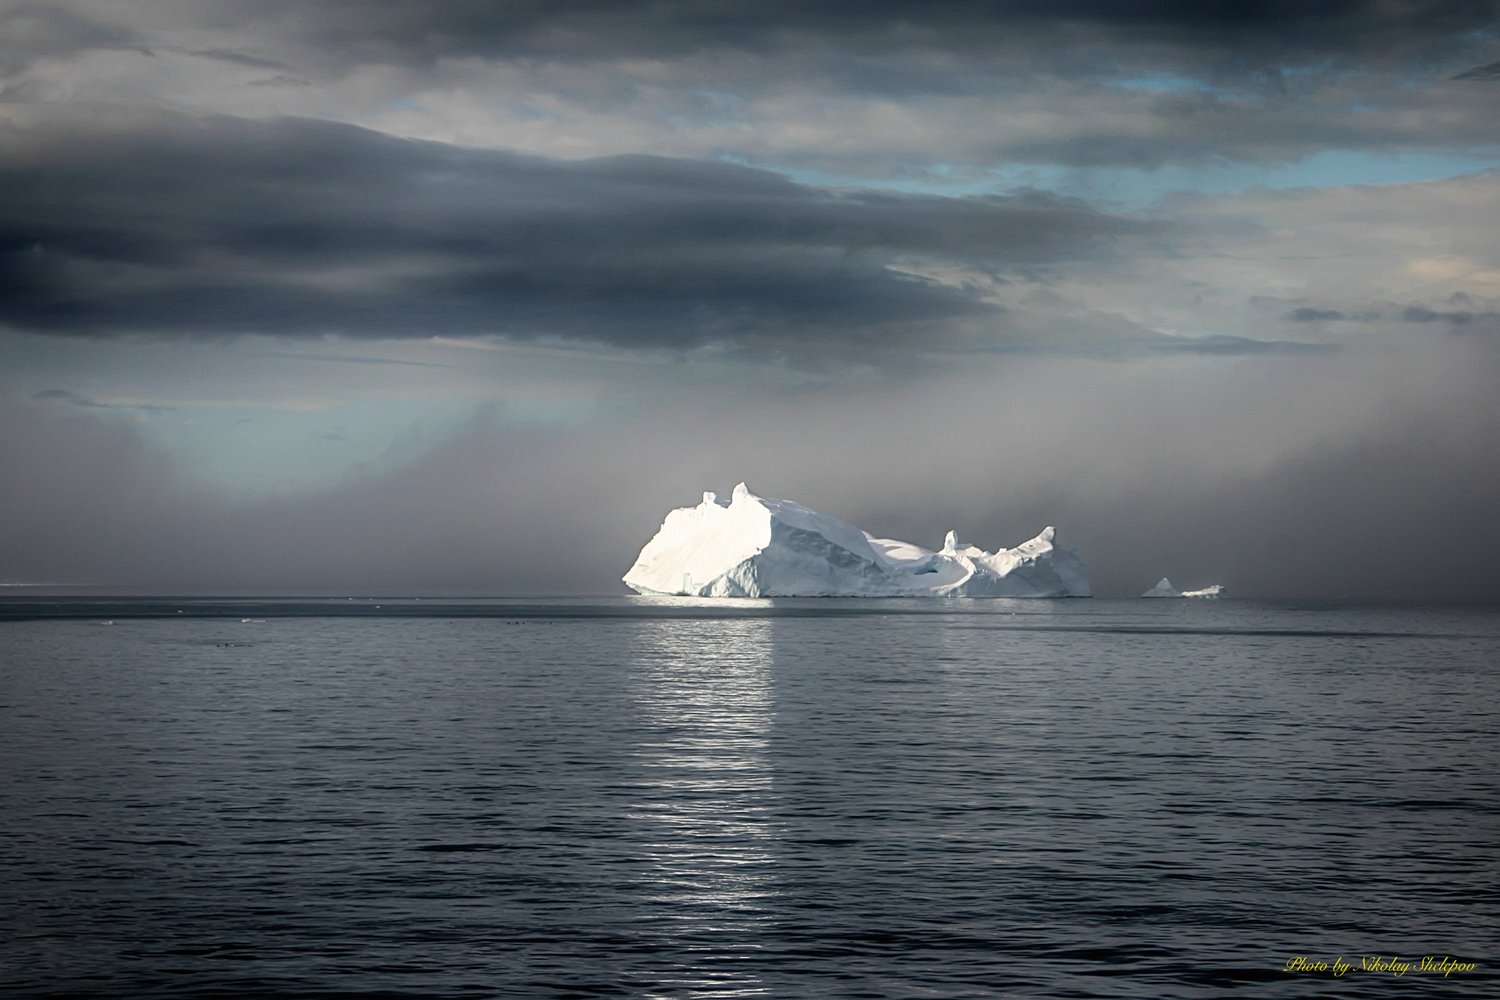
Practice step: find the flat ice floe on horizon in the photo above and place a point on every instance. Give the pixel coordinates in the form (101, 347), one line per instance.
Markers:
(1164, 588)
(753, 546)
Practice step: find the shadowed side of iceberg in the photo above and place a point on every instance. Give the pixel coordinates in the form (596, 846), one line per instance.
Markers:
(1035, 568)
(752, 546)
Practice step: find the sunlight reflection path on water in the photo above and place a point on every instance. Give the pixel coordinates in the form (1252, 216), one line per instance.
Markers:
(706, 708)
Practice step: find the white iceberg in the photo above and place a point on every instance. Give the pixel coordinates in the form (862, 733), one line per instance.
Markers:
(1164, 588)
(752, 546)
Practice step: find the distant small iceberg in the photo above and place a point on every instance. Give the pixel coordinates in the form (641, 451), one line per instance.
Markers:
(1164, 588)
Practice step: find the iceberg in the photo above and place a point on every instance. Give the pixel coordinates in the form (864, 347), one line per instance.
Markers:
(1164, 588)
(754, 546)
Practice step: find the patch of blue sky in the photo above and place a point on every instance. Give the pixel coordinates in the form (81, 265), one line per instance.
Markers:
(1171, 83)
(937, 179)
(1133, 189)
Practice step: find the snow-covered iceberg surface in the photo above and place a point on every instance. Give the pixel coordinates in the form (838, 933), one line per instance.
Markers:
(753, 546)
(1217, 590)
(1164, 588)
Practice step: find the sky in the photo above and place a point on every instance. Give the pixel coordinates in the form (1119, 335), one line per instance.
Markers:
(451, 297)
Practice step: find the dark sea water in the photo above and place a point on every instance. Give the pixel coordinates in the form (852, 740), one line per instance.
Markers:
(628, 797)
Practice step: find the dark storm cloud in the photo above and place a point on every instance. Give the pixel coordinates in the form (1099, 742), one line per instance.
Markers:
(1308, 314)
(1227, 344)
(1270, 33)
(1457, 317)
(1489, 71)
(860, 88)
(346, 359)
(78, 399)
(1264, 30)
(216, 226)
(31, 31)
(238, 58)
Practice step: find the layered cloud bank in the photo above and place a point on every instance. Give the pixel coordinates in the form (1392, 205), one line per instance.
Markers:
(309, 230)
(868, 88)
(305, 229)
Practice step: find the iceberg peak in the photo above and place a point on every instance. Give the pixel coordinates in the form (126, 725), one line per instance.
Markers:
(1163, 588)
(757, 546)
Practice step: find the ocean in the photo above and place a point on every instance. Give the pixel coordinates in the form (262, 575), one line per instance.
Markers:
(818, 798)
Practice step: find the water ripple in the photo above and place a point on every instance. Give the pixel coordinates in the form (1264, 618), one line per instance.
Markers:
(656, 799)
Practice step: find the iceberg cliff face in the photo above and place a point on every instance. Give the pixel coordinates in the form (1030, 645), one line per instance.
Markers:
(753, 546)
